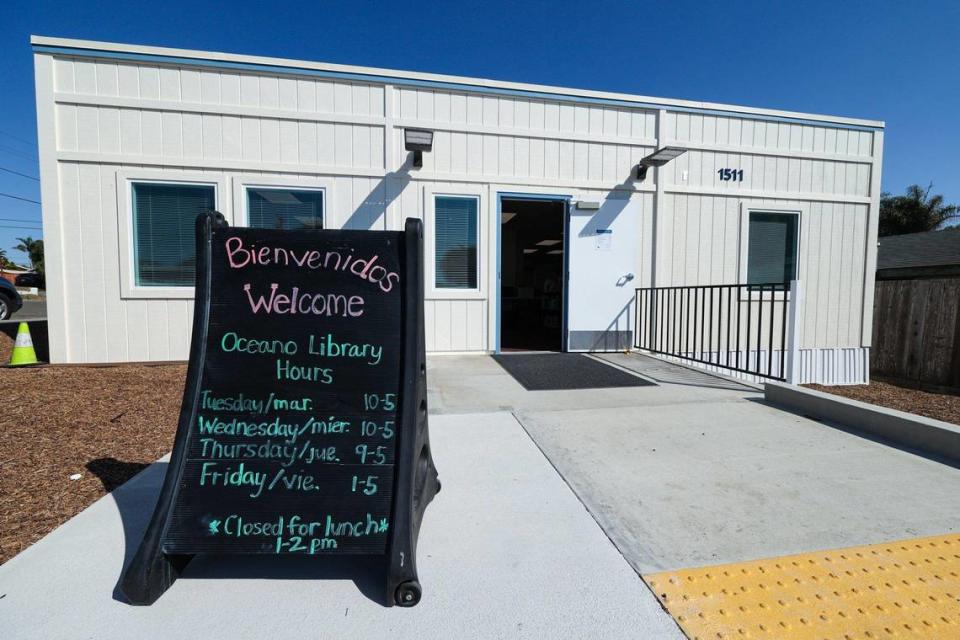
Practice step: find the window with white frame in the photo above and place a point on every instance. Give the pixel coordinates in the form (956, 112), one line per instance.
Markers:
(164, 244)
(455, 222)
(281, 208)
(772, 247)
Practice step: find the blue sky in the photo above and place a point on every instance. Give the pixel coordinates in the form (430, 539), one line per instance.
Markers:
(893, 61)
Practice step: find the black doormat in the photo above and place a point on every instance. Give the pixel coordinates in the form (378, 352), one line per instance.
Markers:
(551, 371)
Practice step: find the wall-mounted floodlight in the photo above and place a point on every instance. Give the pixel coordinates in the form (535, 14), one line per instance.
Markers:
(658, 158)
(418, 141)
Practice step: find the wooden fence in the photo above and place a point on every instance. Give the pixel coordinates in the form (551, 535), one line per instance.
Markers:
(916, 332)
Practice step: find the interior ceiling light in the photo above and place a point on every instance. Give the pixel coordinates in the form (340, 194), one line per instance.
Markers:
(530, 250)
(507, 216)
(658, 158)
(548, 243)
(555, 252)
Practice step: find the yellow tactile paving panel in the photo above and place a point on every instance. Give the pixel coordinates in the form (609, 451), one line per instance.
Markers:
(906, 589)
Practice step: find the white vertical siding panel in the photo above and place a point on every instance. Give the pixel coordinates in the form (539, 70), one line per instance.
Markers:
(211, 132)
(107, 80)
(67, 135)
(149, 83)
(307, 134)
(64, 80)
(551, 116)
(130, 138)
(491, 153)
(491, 110)
(192, 127)
(87, 129)
(505, 165)
(306, 96)
(172, 135)
(424, 105)
(190, 86)
(232, 131)
(326, 144)
(128, 81)
(178, 330)
(458, 324)
(505, 111)
(521, 157)
(458, 108)
(857, 216)
(249, 91)
(250, 139)
(158, 323)
(76, 285)
(458, 150)
(210, 87)
(85, 74)
(91, 260)
(442, 329)
(594, 162)
(287, 94)
(429, 324)
(151, 129)
(270, 140)
(326, 103)
(230, 89)
(108, 124)
(114, 319)
(169, 84)
(441, 106)
(474, 109)
(289, 142)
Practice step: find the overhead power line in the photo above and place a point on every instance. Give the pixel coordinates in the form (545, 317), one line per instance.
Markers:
(13, 226)
(20, 220)
(18, 152)
(18, 138)
(18, 173)
(7, 195)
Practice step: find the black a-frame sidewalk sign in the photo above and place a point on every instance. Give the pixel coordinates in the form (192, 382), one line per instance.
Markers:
(303, 427)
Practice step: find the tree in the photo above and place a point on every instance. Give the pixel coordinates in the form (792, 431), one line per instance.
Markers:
(33, 249)
(915, 211)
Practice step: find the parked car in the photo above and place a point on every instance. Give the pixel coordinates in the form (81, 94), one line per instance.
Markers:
(10, 300)
(32, 279)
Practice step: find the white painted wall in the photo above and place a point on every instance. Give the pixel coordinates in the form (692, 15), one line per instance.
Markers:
(102, 122)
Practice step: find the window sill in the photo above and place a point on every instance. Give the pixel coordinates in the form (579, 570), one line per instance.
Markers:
(455, 294)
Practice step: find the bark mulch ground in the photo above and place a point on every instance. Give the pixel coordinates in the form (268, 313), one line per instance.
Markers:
(940, 406)
(105, 423)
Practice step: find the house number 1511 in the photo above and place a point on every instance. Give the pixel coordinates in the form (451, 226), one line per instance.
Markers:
(727, 175)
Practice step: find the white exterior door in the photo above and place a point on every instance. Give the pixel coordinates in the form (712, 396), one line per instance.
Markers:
(602, 245)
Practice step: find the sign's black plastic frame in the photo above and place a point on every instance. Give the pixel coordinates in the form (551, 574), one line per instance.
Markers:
(151, 571)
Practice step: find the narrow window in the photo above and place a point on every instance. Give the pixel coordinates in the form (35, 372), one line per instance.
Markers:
(772, 250)
(269, 208)
(164, 245)
(455, 230)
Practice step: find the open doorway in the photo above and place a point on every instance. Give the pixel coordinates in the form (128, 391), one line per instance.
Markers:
(532, 246)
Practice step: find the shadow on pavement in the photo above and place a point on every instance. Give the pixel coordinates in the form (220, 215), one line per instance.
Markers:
(136, 499)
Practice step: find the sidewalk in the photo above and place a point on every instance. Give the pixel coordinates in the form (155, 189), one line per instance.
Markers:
(506, 551)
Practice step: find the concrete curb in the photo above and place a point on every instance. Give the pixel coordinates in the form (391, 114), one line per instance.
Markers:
(927, 436)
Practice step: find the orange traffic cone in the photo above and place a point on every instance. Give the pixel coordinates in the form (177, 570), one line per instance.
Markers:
(23, 353)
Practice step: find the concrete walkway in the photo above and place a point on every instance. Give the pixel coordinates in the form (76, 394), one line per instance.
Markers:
(506, 551)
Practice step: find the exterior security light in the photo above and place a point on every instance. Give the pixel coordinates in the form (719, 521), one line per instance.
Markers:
(418, 141)
(658, 158)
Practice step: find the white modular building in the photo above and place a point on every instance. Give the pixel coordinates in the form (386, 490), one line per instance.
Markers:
(545, 209)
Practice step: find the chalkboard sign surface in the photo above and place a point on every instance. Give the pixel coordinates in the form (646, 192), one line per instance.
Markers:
(303, 428)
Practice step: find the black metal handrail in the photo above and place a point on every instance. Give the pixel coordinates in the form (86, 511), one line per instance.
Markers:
(729, 326)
